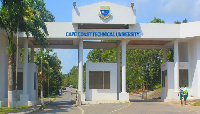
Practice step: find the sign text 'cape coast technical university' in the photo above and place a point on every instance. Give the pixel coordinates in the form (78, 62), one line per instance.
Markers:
(103, 34)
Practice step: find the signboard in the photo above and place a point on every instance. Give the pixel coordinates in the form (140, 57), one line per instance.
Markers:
(103, 34)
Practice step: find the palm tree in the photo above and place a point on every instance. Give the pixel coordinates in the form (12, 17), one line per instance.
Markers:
(29, 16)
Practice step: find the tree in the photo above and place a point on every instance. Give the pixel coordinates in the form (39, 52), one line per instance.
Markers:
(177, 22)
(185, 21)
(51, 72)
(157, 20)
(21, 14)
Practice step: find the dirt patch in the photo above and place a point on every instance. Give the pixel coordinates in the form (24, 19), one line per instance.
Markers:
(155, 95)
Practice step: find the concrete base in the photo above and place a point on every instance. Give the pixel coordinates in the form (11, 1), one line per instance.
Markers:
(31, 103)
(82, 97)
(102, 102)
(2, 104)
(124, 97)
(10, 98)
(24, 97)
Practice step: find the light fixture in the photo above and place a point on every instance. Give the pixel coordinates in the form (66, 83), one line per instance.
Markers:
(132, 4)
(74, 4)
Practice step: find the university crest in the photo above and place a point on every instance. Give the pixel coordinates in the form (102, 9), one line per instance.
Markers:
(104, 12)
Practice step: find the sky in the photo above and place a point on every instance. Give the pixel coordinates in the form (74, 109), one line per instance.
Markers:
(146, 10)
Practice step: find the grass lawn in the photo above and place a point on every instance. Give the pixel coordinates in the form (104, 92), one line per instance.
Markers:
(6, 109)
(196, 104)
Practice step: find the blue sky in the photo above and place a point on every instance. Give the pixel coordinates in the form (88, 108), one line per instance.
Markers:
(146, 10)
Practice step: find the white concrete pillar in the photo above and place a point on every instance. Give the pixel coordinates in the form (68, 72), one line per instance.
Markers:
(123, 66)
(164, 55)
(176, 66)
(25, 67)
(118, 69)
(80, 68)
(32, 55)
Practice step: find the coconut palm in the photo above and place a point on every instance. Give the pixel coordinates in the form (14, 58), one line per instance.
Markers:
(29, 16)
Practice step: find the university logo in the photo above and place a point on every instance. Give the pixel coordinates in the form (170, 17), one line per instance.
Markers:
(104, 12)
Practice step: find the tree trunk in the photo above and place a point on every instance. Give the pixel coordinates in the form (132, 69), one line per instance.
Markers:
(11, 72)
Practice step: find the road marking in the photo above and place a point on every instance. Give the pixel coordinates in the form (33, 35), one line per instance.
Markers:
(120, 108)
(81, 110)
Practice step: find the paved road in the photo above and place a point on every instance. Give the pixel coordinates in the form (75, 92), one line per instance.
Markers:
(63, 105)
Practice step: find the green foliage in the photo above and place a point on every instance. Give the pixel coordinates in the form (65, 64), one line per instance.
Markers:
(72, 77)
(177, 22)
(157, 20)
(196, 103)
(51, 69)
(102, 55)
(143, 66)
(5, 110)
(28, 16)
(185, 21)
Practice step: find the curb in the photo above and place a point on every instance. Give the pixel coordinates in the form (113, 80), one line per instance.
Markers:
(30, 111)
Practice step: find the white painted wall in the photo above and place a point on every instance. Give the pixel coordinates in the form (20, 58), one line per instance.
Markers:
(102, 94)
(183, 51)
(194, 57)
(190, 29)
(3, 68)
(169, 66)
(89, 14)
(147, 30)
(31, 72)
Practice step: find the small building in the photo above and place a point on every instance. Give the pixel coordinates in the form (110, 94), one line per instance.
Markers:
(108, 21)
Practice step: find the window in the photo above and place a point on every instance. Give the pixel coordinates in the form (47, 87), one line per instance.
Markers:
(35, 80)
(20, 81)
(99, 79)
(183, 77)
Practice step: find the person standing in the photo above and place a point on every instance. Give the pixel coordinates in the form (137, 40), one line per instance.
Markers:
(181, 93)
(185, 94)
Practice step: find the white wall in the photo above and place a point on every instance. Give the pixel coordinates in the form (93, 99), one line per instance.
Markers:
(32, 70)
(102, 94)
(183, 51)
(190, 29)
(194, 49)
(147, 30)
(3, 68)
(169, 66)
(89, 14)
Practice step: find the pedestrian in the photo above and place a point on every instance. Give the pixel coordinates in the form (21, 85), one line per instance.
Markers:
(181, 93)
(185, 94)
(71, 92)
